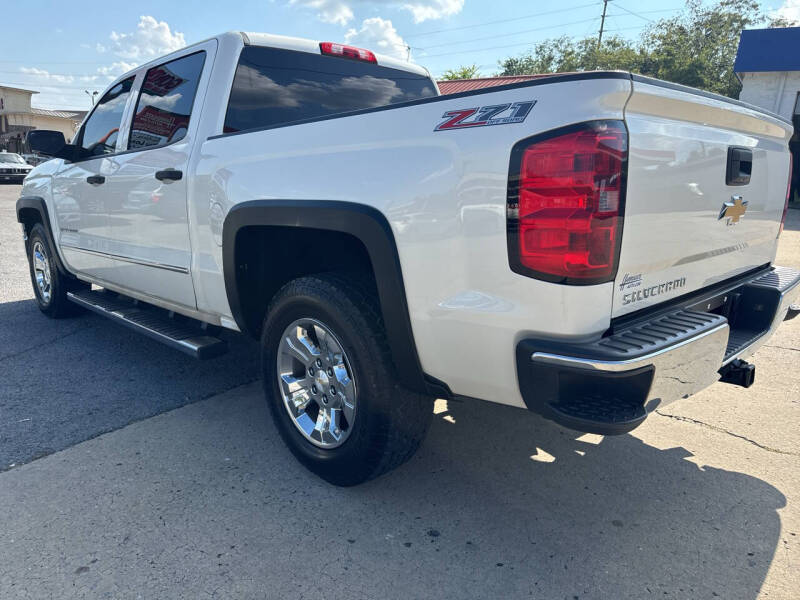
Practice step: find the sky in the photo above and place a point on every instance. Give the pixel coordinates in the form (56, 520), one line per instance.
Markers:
(64, 49)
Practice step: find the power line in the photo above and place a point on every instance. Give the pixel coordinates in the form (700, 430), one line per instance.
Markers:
(630, 12)
(541, 14)
(500, 47)
(492, 37)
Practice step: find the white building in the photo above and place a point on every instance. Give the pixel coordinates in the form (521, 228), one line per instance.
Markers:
(17, 118)
(768, 65)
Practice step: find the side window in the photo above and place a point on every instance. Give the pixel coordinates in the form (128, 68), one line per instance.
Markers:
(100, 132)
(274, 86)
(165, 102)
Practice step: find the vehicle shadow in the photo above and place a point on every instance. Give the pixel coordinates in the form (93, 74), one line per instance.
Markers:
(571, 516)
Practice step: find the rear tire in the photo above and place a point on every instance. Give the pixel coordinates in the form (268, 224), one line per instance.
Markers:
(333, 319)
(49, 285)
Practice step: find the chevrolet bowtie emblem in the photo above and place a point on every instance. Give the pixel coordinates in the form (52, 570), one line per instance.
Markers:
(733, 210)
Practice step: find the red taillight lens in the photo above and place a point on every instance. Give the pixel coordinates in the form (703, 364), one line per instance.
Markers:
(566, 195)
(343, 51)
(788, 192)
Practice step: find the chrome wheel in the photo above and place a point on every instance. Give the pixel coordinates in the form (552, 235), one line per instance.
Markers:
(41, 271)
(316, 383)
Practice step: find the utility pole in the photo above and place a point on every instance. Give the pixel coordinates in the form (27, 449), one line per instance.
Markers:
(602, 24)
(92, 95)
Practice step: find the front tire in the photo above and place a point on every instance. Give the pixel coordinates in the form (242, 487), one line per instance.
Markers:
(330, 382)
(49, 285)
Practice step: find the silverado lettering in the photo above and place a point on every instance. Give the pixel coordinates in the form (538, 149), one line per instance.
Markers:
(654, 290)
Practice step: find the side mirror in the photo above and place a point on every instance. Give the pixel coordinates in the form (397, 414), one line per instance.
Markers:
(49, 143)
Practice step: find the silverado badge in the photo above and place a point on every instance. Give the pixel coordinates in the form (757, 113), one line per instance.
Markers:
(733, 210)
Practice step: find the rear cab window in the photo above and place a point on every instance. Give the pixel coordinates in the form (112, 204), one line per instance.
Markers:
(273, 86)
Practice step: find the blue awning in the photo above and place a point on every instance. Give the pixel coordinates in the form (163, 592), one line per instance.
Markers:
(775, 49)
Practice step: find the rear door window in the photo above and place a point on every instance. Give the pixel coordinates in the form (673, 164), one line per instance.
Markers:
(274, 86)
(165, 102)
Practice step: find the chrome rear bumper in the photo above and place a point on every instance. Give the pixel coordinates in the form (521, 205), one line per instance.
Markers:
(608, 386)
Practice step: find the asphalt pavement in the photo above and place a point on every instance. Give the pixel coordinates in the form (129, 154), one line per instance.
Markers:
(131, 471)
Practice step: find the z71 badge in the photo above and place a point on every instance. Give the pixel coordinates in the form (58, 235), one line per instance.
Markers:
(496, 114)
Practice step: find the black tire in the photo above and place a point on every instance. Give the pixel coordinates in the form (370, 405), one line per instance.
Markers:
(55, 303)
(391, 421)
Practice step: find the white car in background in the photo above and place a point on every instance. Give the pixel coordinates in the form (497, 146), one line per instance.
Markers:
(13, 167)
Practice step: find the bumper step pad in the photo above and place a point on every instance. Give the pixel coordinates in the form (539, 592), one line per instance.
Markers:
(152, 322)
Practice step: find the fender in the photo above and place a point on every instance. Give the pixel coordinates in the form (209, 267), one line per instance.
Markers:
(373, 230)
(26, 204)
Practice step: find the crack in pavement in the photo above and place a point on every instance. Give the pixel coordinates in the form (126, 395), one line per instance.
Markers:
(45, 343)
(781, 347)
(727, 432)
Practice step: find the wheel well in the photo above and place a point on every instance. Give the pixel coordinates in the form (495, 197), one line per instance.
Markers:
(29, 216)
(268, 257)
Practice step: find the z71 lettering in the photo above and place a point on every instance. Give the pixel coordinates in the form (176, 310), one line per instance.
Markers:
(486, 115)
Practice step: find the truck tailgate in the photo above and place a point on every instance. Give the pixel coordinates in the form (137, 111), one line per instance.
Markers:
(689, 223)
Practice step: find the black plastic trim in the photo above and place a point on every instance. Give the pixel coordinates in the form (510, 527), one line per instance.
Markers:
(373, 230)
(549, 389)
(512, 221)
(38, 204)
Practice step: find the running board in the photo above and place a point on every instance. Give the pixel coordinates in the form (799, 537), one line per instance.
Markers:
(152, 322)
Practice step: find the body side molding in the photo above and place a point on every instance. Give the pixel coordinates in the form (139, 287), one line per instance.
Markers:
(371, 228)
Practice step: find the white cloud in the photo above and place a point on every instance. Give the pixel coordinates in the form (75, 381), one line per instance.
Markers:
(379, 35)
(789, 10)
(117, 68)
(341, 11)
(330, 11)
(424, 10)
(151, 38)
(44, 75)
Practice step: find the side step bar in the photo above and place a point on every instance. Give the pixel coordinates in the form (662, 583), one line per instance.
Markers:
(152, 322)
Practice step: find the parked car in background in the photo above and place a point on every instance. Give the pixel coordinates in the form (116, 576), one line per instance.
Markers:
(13, 167)
(34, 159)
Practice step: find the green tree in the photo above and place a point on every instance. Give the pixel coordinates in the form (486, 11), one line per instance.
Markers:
(697, 48)
(462, 72)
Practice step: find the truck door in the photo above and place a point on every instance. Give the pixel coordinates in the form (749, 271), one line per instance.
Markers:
(80, 195)
(148, 220)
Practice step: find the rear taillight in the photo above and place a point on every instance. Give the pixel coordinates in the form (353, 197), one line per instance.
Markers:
(342, 51)
(788, 192)
(565, 203)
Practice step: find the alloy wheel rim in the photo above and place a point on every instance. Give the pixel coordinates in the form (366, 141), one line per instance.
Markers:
(316, 383)
(41, 271)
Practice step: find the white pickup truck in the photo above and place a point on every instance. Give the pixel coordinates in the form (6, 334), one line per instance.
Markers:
(587, 246)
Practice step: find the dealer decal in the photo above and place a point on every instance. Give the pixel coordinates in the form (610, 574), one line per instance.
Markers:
(496, 114)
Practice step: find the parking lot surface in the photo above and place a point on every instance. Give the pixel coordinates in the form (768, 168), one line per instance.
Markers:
(128, 470)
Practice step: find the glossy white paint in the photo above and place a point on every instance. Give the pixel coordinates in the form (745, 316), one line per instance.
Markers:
(676, 188)
(444, 194)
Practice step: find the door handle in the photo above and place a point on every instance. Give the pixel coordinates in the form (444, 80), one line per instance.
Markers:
(95, 179)
(169, 175)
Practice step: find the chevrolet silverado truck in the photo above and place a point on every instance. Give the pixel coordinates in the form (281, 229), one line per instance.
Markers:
(586, 246)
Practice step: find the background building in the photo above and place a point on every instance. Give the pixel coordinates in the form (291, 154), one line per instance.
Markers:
(17, 118)
(768, 65)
